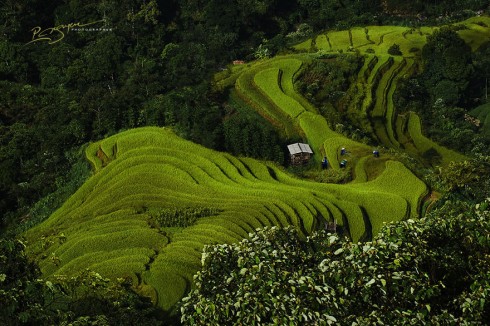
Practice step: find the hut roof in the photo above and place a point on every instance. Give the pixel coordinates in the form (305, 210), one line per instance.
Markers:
(299, 148)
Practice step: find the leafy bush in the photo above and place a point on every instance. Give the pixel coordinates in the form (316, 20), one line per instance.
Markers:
(303, 31)
(394, 49)
(331, 176)
(413, 272)
(482, 113)
(21, 294)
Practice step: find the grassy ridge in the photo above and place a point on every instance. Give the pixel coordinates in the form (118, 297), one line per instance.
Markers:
(289, 67)
(317, 130)
(247, 91)
(268, 81)
(390, 114)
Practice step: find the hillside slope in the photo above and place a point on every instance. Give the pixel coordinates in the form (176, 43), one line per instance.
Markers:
(113, 224)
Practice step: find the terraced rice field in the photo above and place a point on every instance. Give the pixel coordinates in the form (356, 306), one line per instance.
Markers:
(373, 102)
(273, 81)
(107, 225)
(269, 81)
(261, 102)
(475, 31)
(379, 111)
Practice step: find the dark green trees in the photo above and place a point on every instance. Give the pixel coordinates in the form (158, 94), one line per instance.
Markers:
(324, 81)
(395, 50)
(431, 271)
(252, 137)
(21, 294)
(450, 85)
(480, 82)
(335, 13)
(447, 62)
(428, 8)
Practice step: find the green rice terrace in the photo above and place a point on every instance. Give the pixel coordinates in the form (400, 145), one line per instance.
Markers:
(120, 222)
(155, 199)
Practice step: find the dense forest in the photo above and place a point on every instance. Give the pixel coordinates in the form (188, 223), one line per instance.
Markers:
(74, 72)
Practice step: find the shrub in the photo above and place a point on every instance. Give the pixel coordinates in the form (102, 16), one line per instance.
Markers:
(394, 49)
(333, 176)
(303, 31)
(180, 217)
(414, 272)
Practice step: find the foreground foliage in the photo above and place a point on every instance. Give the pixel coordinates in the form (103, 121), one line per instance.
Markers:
(84, 299)
(434, 270)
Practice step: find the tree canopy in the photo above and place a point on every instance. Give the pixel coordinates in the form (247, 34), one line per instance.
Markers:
(430, 271)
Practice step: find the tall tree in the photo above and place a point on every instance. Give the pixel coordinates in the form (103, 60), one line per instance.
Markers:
(447, 65)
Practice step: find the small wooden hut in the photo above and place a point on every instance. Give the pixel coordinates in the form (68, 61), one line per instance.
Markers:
(300, 153)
